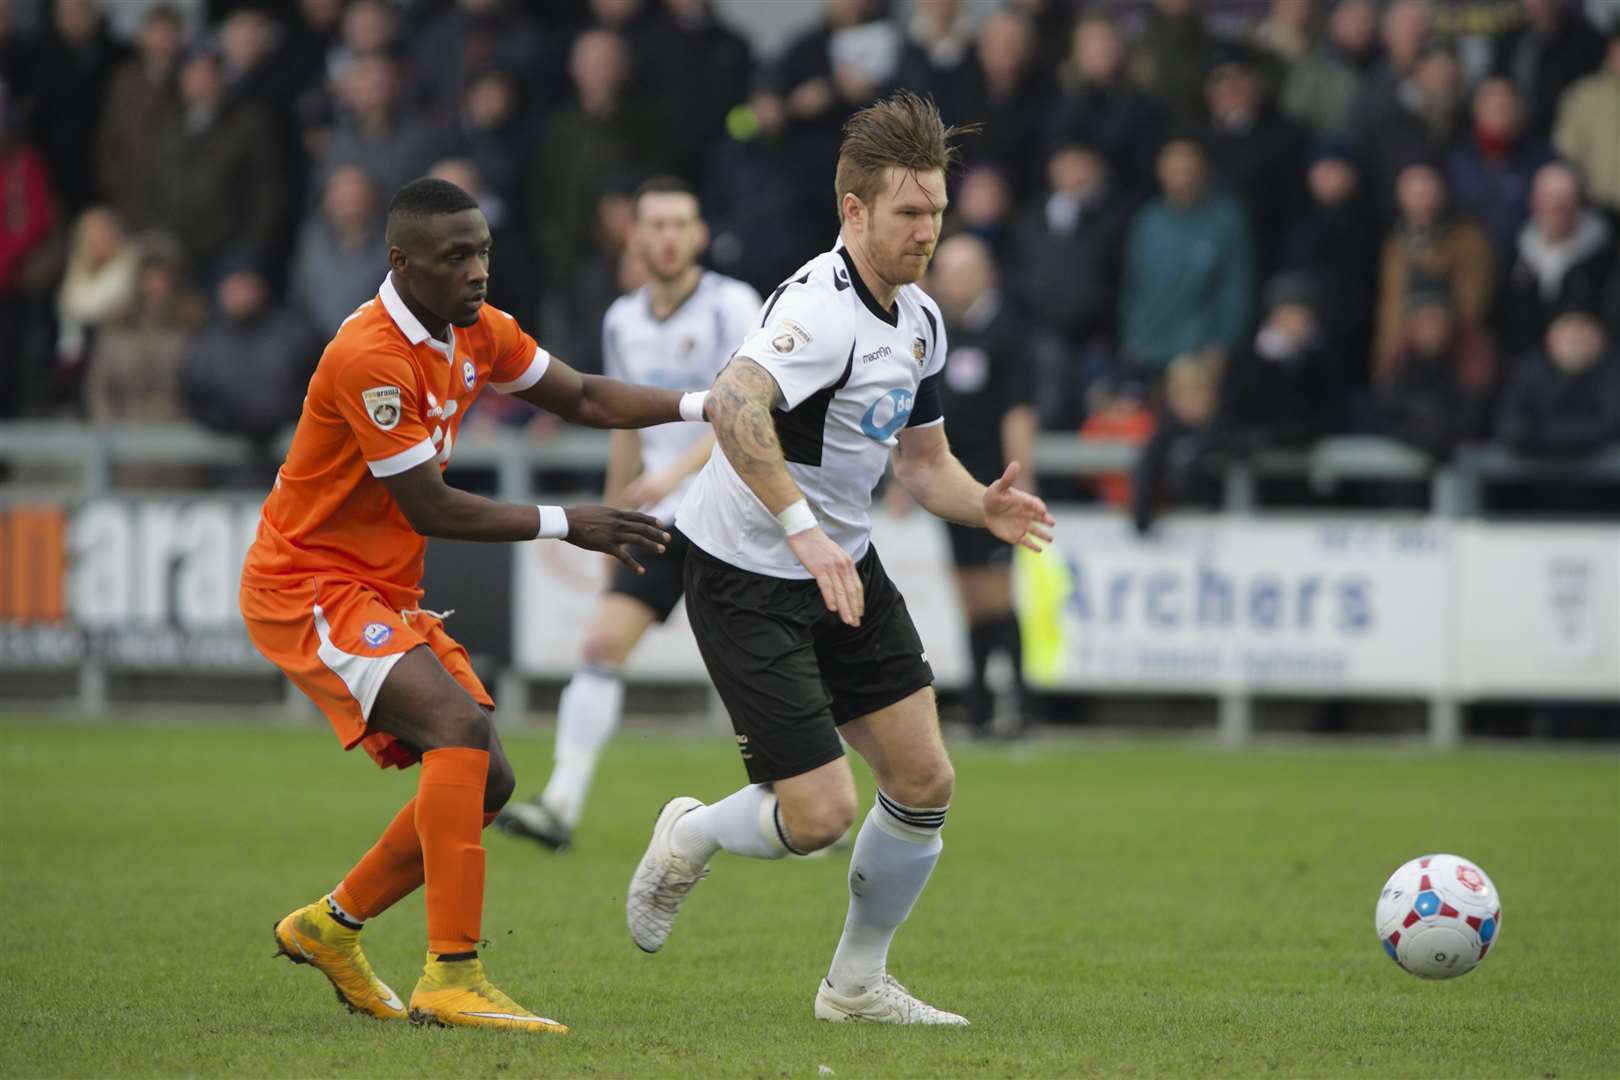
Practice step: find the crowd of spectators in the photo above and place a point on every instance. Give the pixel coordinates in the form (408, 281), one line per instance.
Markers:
(1224, 223)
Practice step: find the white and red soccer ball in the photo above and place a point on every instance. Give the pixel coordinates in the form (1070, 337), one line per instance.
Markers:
(1438, 916)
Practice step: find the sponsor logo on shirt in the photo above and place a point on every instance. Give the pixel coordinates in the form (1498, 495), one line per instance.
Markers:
(887, 415)
(877, 354)
(382, 405)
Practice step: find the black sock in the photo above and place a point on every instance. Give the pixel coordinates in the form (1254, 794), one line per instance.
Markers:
(451, 957)
(1010, 640)
(981, 643)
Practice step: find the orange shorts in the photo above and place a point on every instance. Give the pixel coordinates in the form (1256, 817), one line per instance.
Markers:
(337, 640)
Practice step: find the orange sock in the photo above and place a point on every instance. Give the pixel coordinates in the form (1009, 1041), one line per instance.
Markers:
(449, 817)
(390, 871)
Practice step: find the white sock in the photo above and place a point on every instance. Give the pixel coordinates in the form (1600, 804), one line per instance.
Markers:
(587, 714)
(336, 909)
(894, 855)
(743, 823)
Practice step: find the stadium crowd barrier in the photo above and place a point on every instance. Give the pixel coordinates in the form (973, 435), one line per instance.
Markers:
(1434, 605)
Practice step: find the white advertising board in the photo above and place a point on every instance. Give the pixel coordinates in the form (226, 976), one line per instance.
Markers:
(1538, 611)
(1209, 602)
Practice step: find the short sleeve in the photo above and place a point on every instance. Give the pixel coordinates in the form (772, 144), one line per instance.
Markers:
(376, 396)
(612, 357)
(805, 343)
(519, 359)
(739, 315)
(929, 408)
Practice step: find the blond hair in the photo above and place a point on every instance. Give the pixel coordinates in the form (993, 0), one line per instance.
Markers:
(902, 130)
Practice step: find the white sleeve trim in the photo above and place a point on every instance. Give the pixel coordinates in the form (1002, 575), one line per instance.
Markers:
(537, 368)
(405, 459)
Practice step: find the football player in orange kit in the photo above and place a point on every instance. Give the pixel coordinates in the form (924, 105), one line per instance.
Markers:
(331, 586)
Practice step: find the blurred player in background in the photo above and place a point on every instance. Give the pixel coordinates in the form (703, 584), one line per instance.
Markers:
(987, 394)
(803, 632)
(677, 331)
(331, 589)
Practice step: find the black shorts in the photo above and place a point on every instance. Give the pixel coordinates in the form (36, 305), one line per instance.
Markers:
(972, 548)
(661, 586)
(789, 670)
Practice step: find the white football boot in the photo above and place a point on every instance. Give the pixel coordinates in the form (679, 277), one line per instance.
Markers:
(661, 881)
(886, 1003)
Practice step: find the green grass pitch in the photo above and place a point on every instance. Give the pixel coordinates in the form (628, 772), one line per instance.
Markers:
(1101, 909)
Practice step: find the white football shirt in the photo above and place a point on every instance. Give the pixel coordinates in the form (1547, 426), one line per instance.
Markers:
(684, 351)
(852, 375)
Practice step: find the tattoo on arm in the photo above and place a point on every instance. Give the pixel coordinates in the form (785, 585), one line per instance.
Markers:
(743, 398)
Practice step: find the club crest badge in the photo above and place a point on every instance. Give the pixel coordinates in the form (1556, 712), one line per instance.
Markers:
(382, 405)
(377, 634)
(919, 349)
(469, 374)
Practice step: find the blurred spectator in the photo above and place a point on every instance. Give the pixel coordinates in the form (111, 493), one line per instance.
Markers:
(1255, 152)
(987, 393)
(368, 27)
(475, 36)
(142, 98)
(374, 128)
(514, 287)
(250, 45)
(1434, 392)
(134, 370)
(1565, 254)
(1334, 240)
(832, 70)
(217, 182)
(25, 227)
(998, 88)
(14, 51)
(765, 210)
(493, 131)
(939, 38)
(1287, 385)
(1181, 461)
(1429, 247)
(1170, 56)
(1491, 170)
(1116, 413)
(1564, 399)
(984, 206)
(247, 370)
(312, 34)
(1588, 133)
(1067, 253)
(341, 256)
(1323, 86)
(99, 282)
(607, 137)
(1286, 35)
(698, 72)
(1555, 47)
(1098, 106)
(1417, 116)
(73, 63)
(1189, 267)
(607, 273)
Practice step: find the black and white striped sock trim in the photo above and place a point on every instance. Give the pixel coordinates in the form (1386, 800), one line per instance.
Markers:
(927, 819)
(781, 831)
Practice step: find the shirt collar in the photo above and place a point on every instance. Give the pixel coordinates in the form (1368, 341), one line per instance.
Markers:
(408, 324)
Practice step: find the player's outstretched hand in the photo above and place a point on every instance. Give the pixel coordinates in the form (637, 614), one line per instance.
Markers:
(604, 528)
(1013, 516)
(834, 571)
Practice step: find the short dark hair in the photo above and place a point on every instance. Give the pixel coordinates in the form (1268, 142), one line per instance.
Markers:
(663, 184)
(421, 199)
(902, 130)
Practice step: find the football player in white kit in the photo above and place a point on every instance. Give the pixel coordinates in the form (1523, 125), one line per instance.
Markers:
(802, 631)
(677, 331)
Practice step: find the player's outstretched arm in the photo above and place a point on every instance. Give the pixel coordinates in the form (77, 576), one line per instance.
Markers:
(740, 409)
(600, 402)
(434, 508)
(647, 488)
(931, 474)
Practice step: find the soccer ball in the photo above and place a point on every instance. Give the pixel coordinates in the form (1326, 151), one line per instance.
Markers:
(1438, 916)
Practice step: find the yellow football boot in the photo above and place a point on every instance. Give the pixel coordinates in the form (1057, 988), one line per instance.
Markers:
(457, 994)
(311, 936)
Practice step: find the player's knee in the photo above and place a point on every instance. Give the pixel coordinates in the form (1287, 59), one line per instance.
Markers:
(463, 723)
(603, 651)
(499, 784)
(929, 786)
(811, 828)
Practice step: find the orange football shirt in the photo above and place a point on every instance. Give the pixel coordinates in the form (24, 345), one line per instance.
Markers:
(384, 398)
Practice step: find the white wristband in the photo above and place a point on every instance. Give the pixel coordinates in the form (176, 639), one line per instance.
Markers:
(553, 523)
(692, 404)
(796, 517)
